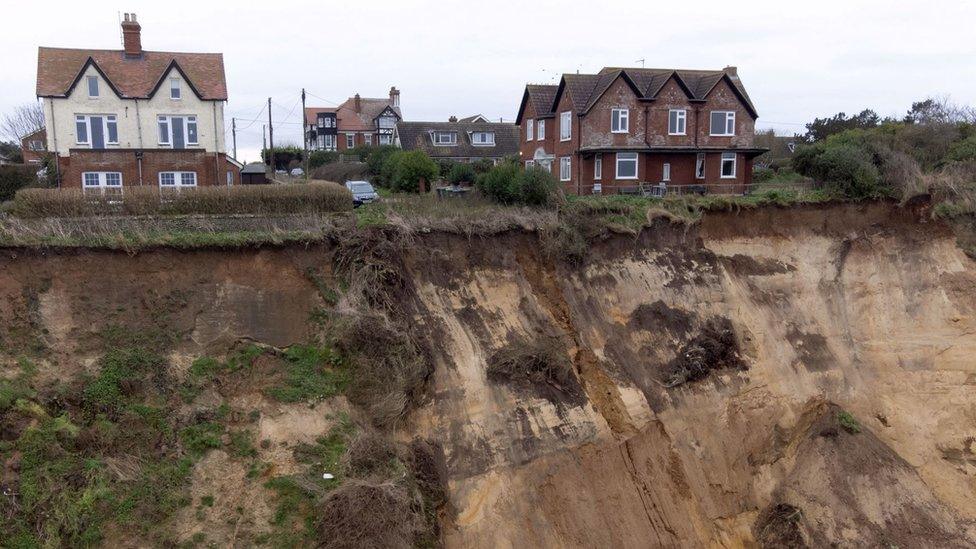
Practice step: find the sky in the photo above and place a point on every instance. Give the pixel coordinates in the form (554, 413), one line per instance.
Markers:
(798, 60)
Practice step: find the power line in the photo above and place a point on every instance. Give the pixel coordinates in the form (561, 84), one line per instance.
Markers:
(322, 98)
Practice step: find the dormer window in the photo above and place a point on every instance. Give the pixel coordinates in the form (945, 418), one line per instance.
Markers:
(92, 87)
(485, 139)
(445, 138)
(174, 89)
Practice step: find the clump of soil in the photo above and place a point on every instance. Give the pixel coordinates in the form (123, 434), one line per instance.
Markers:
(715, 348)
(658, 316)
(778, 527)
(541, 366)
(366, 514)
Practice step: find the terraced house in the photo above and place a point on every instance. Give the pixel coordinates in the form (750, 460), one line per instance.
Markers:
(118, 118)
(622, 127)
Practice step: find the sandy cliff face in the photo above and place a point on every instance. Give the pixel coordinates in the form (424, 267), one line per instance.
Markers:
(711, 367)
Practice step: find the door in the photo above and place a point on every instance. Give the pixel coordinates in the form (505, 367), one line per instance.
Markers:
(97, 132)
(179, 140)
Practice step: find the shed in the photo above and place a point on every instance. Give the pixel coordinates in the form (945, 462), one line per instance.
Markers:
(254, 174)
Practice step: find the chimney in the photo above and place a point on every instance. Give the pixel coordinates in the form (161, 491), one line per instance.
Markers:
(452, 119)
(357, 104)
(733, 72)
(131, 36)
(394, 96)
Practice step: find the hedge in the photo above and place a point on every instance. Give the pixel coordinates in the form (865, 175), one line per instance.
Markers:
(315, 197)
(14, 178)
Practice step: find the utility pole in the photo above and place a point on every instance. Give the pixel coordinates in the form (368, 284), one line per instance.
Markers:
(304, 136)
(233, 133)
(271, 138)
(264, 140)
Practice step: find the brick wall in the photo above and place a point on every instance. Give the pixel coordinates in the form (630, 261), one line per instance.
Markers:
(30, 156)
(153, 162)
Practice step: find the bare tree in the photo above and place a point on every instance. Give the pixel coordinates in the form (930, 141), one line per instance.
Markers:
(25, 119)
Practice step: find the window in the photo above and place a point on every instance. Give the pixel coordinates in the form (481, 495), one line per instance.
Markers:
(677, 119)
(386, 139)
(102, 181)
(540, 133)
(174, 88)
(92, 86)
(36, 145)
(598, 167)
(722, 123)
(176, 180)
(368, 139)
(328, 142)
(700, 166)
(529, 129)
(96, 130)
(565, 126)
(387, 122)
(728, 165)
(565, 168)
(445, 138)
(230, 177)
(484, 138)
(666, 175)
(177, 131)
(619, 120)
(626, 165)
(350, 140)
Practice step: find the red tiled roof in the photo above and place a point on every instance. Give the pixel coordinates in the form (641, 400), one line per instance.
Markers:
(350, 120)
(311, 113)
(59, 68)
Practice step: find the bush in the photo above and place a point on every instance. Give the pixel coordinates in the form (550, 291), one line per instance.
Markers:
(537, 186)
(321, 158)
(461, 173)
(962, 151)
(377, 160)
(14, 178)
(403, 170)
(340, 172)
(846, 167)
(762, 175)
(284, 156)
(507, 183)
(313, 197)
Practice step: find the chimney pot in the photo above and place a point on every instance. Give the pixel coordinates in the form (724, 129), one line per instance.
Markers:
(452, 119)
(131, 36)
(358, 103)
(731, 71)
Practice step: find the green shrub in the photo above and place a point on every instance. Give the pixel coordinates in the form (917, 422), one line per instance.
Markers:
(508, 183)
(403, 171)
(842, 165)
(321, 158)
(962, 151)
(537, 187)
(848, 422)
(377, 160)
(461, 173)
(762, 175)
(14, 178)
(340, 172)
(251, 199)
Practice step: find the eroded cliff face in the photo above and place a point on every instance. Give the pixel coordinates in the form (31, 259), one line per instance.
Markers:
(714, 363)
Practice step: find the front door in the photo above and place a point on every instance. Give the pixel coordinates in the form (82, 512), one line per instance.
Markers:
(97, 132)
(179, 140)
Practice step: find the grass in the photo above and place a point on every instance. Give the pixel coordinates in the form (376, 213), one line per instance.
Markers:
(311, 373)
(848, 422)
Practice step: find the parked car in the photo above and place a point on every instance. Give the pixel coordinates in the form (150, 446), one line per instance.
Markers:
(297, 172)
(362, 192)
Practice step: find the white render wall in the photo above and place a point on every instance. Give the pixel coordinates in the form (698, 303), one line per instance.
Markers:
(210, 134)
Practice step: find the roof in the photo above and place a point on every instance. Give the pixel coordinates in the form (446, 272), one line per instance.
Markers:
(311, 113)
(417, 136)
(33, 133)
(585, 89)
(370, 109)
(474, 118)
(254, 167)
(59, 69)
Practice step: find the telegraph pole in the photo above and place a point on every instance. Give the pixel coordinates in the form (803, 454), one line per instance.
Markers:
(304, 136)
(264, 140)
(233, 133)
(271, 138)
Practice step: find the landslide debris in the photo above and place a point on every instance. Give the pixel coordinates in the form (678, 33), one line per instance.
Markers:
(540, 366)
(714, 348)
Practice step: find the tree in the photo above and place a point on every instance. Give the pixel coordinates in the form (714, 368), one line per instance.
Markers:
(25, 119)
(10, 150)
(939, 110)
(822, 128)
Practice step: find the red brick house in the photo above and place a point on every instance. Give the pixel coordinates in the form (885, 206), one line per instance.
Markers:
(33, 146)
(118, 118)
(356, 122)
(623, 127)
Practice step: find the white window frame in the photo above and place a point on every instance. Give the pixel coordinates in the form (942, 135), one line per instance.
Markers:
(565, 125)
(106, 119)
(451, 141)
(350, 141)
(627, 157)
(230, 178)
(680, 121)
(179, 180)
(368, 139)
(385, 139)
(728, 157)
(700, 166)
(529, 163)
(598, 167)
(540, 130)
(729, 129)
(35, 145)
(89, 80)
(175, 89)
(620, 117)
(565, 168)
(488, 141)
(168, 118)
(101, 182)
(529, 129)
(666, 172)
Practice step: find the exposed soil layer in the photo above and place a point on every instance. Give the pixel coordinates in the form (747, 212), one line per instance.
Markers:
(690, 393)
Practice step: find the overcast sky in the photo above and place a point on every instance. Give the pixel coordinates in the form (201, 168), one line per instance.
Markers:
(797, 59)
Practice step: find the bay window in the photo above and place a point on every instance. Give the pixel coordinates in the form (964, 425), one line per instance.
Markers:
(626, 165)
(598, 167)
(728, 165)
(565, 168)
(700, 166)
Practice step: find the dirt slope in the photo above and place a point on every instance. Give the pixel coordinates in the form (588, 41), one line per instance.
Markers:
(720, 369)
